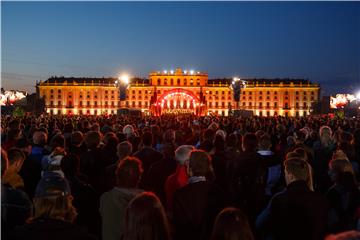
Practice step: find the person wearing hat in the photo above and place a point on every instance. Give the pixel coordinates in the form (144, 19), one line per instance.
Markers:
(54, 213)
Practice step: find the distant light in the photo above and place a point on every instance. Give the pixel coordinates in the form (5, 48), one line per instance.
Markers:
(236, 79)
(116, 82)
(172, 71)
(185, 71)
(358, 96)
(165, 71)
(191, 72)
(125, 78)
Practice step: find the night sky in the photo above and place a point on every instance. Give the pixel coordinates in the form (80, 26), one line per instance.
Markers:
(315, 40)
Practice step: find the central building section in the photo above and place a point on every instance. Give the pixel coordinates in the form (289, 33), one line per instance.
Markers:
(178, 92)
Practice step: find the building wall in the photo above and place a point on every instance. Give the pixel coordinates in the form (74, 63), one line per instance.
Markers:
(72, 99)
(289, 100)
(285, 98)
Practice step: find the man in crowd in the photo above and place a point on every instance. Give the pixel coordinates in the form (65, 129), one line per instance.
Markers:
(297, 212)
(114, 202)
(180, 177)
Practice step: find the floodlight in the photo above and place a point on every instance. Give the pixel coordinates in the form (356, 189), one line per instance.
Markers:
(124, 79)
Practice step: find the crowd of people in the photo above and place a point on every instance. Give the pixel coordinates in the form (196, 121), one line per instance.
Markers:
(180, 177)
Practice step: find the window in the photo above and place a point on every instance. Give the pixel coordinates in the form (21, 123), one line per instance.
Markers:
(185, 82)
(223, 104)
(305, 105)
(216, 104)
(59, 103)
(133, 91)
(112, 103)
(133, 103)
(178, 82)
(286, 105)
(250, 104)
(260, 104)
(312, 92)
(210, 104)
(146, 104)
(88, 103)
(216, 92)
(52, 96)
(106, 91)
(112, 91)
(158, 81)
(297, 105)
(250, 93)
(165, 81)
(260, 98)
(223, 92)
(80, 96)
(172, 81)
(51, 103)
(59, 91)
(268, 92)
(275, 92)
(297, 92)
(80, 103)
(268, 104)
(260, 92)
(286, 92)
(275, 104)
(95, 96)
(52, 91)
(210, 92)
(243, 104)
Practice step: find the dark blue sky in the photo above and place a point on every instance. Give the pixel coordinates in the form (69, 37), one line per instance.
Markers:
(315, 40)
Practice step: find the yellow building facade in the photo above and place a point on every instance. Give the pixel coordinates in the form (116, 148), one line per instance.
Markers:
(176, 92)
(279, 97)
(79, 96)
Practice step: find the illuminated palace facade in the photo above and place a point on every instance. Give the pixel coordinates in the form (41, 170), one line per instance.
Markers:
(177, 92)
